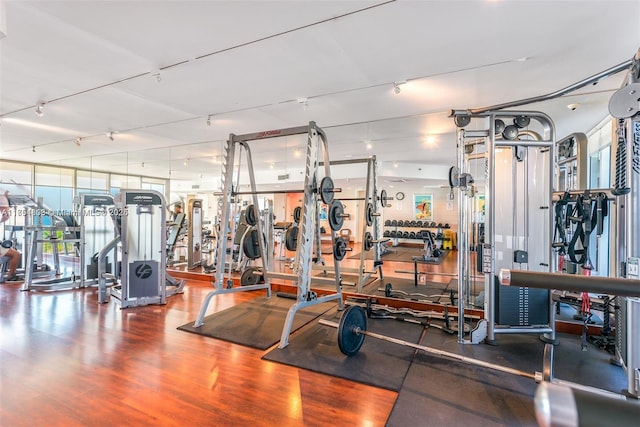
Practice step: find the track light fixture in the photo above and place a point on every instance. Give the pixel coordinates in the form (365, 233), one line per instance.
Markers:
(304, 102)
(209, 120)
(396, 86)
(39, 109)
(33, 149)
(78, 140)
(186, 162)
(110, 135)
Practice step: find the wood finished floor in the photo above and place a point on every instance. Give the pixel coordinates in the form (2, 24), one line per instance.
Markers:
(67, 361)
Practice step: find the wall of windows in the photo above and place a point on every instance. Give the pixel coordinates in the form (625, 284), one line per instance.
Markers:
(57, 186)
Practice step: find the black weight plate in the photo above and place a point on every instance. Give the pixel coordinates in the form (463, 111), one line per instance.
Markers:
(336, 212)
(405, 235)
(498, 126)
(400, 223)
(250, 215)
(386, 233)
(251, 245)
(392, 233)
(383, 198)
(387, 223)
(297, 214)
(510, 132)
(368, 215)
(462, 121)
(249, 277)
(349, 340)
(326, 190)
(7, 244)
(339, 249)
(394, 223)
(412, 235)
(387, 290)
(367, 244)
(291, 238)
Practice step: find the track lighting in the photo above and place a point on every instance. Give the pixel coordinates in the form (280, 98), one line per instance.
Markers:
(186, 162)
(396, 86)
(142, 164)
(110, 135)
(209, 120)
(39, 109)
(78, 140)
(304, 102)
(33, 149)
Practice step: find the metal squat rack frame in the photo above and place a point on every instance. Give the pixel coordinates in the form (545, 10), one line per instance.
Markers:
(309, 224)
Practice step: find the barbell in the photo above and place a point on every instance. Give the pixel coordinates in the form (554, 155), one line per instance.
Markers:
(326, 190)
(352, 331)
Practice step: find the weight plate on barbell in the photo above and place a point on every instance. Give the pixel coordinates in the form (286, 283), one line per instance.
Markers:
(462, 121)
(383, 198)
(353, 319)
(291, 238)
(297, 214)
(326, 190)
(498, 126)
(547, 363)
(339, 249)
(250, 215)
(510, 132)
(336, 218)
(251, 245)
(367, 244)
(250, 276)
(387, 290)
(368, 216)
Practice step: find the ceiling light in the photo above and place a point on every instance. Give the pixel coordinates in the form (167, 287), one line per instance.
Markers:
(142, 164)
(297, 152)
(186, 162)
(368, 144)
(209, 120)
(33, 149)
(78, 140)
(304, 102)
(396, 86)
(430, 140)
(39, 109)
(573, 107)
(271, 166)
(395, 164)
(110, 135)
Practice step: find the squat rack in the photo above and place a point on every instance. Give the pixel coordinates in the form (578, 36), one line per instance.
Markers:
(309, 224)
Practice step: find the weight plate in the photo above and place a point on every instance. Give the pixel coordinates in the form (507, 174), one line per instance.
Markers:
(521, 121)
(383, 198)
(387, 223)
(250, 276)
(394, 223)
(400, 223)
(387, 290)
(386, 233)
(353, 320)
(297, 214)
(367, 244)
(454, 181)
(251, 246)
(624, 102)
(412, 235)
(547, 363)
(368, 216)
(7, 244)
(291, 238)
(250, 215)
(498, 126)
(326, 190)
(336, 218)
(339, 249)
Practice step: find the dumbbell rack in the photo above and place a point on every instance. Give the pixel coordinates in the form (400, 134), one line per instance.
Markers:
(392, 226)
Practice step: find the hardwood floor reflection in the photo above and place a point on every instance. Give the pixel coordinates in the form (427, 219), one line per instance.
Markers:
(65, 360)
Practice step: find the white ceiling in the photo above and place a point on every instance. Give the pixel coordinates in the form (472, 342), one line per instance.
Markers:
(247, 64)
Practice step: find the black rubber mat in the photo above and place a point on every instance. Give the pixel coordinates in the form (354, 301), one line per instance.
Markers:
(480, 396)
(379, 363)
(404, 254)
(257, 323)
